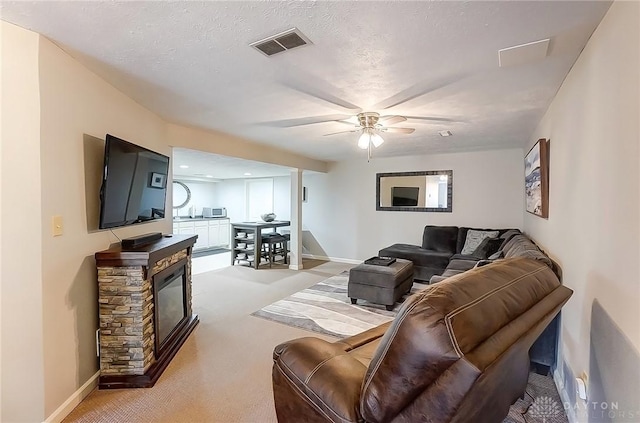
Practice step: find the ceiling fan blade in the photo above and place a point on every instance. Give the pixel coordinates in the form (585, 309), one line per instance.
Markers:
(343, 132)
(433, 119)
(390, 120)
(311, 120)
(398, 130)
(309, 84)
(417, 90)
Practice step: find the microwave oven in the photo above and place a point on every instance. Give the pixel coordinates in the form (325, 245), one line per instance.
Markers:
(214, 212)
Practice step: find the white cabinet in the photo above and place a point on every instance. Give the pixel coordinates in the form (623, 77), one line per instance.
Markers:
(214, 233)
(202, 230)
(224, 232)
(186, 228)
(211, 232)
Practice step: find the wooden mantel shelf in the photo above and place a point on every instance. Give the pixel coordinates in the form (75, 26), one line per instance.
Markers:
(145, 254)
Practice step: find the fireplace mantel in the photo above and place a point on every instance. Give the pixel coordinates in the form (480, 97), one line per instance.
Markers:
(129, 354)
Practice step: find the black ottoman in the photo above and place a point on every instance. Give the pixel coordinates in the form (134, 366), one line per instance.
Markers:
(380, 284)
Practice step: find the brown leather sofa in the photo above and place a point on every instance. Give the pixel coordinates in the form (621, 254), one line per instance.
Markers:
(456, 352)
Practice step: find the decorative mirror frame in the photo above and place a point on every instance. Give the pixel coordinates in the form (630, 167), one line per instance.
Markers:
(447, 209)
(186, 188)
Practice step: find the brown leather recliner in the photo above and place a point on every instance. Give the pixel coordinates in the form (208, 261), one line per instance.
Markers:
(456, 352)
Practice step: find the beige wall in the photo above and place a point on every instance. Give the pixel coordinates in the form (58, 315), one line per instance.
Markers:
(59, 115)
(76, 103)
(593, 228)
(340, 218)
(21, 217)
(228, 145)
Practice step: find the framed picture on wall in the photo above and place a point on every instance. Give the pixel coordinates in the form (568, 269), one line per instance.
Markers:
(158, 180)
(536, 179)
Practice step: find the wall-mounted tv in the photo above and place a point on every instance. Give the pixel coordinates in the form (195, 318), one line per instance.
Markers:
(134, 184)
(404, 196)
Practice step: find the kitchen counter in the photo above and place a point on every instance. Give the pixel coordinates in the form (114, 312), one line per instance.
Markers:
(193, 219)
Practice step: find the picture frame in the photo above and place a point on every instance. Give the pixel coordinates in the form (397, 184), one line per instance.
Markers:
(536, 179)
(158, 180)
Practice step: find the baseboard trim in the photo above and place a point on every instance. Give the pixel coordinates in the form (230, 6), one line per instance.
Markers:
(568, 407)
(73, 401)
(335, 259)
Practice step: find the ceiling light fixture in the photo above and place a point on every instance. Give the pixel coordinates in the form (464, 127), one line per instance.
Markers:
(209, 176)
(247, 174)
(369, 135)
(445, 133)
(184, 167)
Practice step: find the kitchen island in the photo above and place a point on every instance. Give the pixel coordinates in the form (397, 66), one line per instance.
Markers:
(251, 243)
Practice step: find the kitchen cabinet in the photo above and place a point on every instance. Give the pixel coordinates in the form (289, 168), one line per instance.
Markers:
(211, 233)
(202, 230)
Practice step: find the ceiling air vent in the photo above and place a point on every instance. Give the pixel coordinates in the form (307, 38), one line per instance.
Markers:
(281, 42)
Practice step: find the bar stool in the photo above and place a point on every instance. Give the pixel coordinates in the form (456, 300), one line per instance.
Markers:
(274, 244)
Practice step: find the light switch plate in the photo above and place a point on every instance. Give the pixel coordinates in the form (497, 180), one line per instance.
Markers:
(57, 225)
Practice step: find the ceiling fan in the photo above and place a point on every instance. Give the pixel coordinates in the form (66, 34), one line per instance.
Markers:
(371, 124)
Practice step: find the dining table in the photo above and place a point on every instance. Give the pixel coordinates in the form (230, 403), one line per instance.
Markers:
(246, 239)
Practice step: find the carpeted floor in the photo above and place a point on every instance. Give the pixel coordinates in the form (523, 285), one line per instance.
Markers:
(223, 372)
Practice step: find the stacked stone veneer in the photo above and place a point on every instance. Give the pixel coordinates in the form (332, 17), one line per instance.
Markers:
(127, 332)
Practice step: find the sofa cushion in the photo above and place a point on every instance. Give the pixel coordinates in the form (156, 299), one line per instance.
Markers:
(462, 235)
(440, 238)
(474, 238)
(506, 236)
(522, 246)
(487, 247)
(419, 256)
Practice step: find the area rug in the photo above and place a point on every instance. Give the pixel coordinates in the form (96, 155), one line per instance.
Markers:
(325, 308)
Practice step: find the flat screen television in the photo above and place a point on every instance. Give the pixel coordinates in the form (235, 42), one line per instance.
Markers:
(404, 196)
(134, 184)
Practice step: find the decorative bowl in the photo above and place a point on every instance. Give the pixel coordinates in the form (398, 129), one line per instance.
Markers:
(268, 217)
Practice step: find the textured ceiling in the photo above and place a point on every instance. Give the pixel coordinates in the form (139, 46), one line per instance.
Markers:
(190, 63)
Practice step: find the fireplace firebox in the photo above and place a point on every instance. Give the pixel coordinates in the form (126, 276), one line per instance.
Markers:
(145, 310)
(169, 293)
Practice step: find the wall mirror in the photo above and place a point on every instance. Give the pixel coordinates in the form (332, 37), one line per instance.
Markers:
(424, 191)
(181, 195)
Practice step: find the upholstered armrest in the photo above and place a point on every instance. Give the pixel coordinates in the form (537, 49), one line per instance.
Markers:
(362, 338)
(323, 374)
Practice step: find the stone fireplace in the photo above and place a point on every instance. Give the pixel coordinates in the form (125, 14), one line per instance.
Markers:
(145, 310)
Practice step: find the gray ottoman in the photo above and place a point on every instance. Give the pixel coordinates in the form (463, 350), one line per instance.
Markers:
(380, 284)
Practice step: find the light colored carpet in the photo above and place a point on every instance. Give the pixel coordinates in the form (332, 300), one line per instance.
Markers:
(223, 372)
(325, 308)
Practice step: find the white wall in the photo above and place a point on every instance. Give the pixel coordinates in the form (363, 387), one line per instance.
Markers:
(21, 272)
(282, 197)
(340, 218)
(203, 194)
(231, 193)
(594, 220)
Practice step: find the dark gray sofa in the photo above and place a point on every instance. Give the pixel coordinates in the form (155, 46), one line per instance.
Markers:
(439, 245)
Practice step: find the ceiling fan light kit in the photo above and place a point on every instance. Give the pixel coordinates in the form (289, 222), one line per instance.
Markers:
(369, 136)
